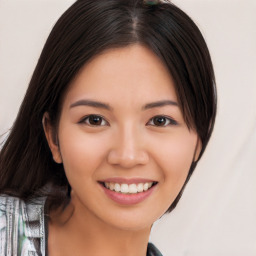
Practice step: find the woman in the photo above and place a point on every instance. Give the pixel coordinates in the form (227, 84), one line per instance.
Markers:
(118, 112)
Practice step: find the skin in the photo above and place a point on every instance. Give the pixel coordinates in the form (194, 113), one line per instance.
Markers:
(127, 142)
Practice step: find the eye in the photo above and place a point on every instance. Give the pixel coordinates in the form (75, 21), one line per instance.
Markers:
(94, 120)
(161, 121)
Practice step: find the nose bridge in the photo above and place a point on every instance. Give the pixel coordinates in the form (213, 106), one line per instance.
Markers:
(128, 149)
(129, 142)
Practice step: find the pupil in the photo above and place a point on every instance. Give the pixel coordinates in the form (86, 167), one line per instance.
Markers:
(160, 120)
(95, 120)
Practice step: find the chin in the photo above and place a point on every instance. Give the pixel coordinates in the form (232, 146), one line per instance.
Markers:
(132, 220)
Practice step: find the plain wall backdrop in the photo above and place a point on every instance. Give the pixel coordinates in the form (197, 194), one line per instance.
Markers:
(217, 213)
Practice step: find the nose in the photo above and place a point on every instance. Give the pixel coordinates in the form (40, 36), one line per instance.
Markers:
(128, 149)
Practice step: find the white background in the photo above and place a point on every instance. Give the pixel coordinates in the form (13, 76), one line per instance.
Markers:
(217, 213)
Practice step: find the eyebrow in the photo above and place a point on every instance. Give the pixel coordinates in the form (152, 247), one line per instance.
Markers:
(98, 104)
(161, 103)
(91, 103)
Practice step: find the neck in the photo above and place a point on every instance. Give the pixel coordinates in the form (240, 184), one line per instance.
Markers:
(75, 231)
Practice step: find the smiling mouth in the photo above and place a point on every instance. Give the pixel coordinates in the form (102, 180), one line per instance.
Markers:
(123, 188)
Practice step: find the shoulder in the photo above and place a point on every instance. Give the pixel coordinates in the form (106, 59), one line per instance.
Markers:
(153, 251)
(22, 225)
(28, 211)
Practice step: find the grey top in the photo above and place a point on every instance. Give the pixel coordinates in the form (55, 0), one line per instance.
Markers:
(23, 228)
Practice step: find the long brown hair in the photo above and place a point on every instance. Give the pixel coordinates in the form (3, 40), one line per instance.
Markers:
(86, 29)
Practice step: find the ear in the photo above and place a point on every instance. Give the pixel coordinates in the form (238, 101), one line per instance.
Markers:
(197, 149)
(52, 138)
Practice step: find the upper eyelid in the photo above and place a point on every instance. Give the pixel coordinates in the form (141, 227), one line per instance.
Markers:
(172, 120)
(82, 120)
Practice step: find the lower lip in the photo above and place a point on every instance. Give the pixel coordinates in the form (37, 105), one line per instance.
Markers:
(128, 199)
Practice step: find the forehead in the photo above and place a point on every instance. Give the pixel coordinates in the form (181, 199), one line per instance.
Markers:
(124, 73)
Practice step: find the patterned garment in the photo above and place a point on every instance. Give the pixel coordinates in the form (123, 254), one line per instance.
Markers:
(23, 228)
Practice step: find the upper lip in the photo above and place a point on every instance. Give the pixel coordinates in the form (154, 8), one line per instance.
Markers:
(127, 180)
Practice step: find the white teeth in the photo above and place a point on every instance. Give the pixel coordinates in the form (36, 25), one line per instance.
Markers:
(140, 187)
(131, 189)
(112, 186)
(145, 187)
(124, 188)
(117, 187)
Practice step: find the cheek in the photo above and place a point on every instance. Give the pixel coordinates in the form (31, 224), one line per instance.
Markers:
(176, 155)
(174, 159)
(81, 153)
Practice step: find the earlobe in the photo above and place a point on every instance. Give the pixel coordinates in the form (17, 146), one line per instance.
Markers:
(51, 138)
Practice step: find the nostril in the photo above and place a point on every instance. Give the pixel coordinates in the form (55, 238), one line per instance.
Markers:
(128, 159)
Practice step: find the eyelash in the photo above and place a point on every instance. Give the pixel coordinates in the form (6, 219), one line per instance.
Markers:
(84, 120)
(170, 121)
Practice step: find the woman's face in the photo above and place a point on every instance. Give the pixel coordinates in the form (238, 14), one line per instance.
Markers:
(121, 129)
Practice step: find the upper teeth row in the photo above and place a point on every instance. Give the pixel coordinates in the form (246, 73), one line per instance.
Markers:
(125, 188)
